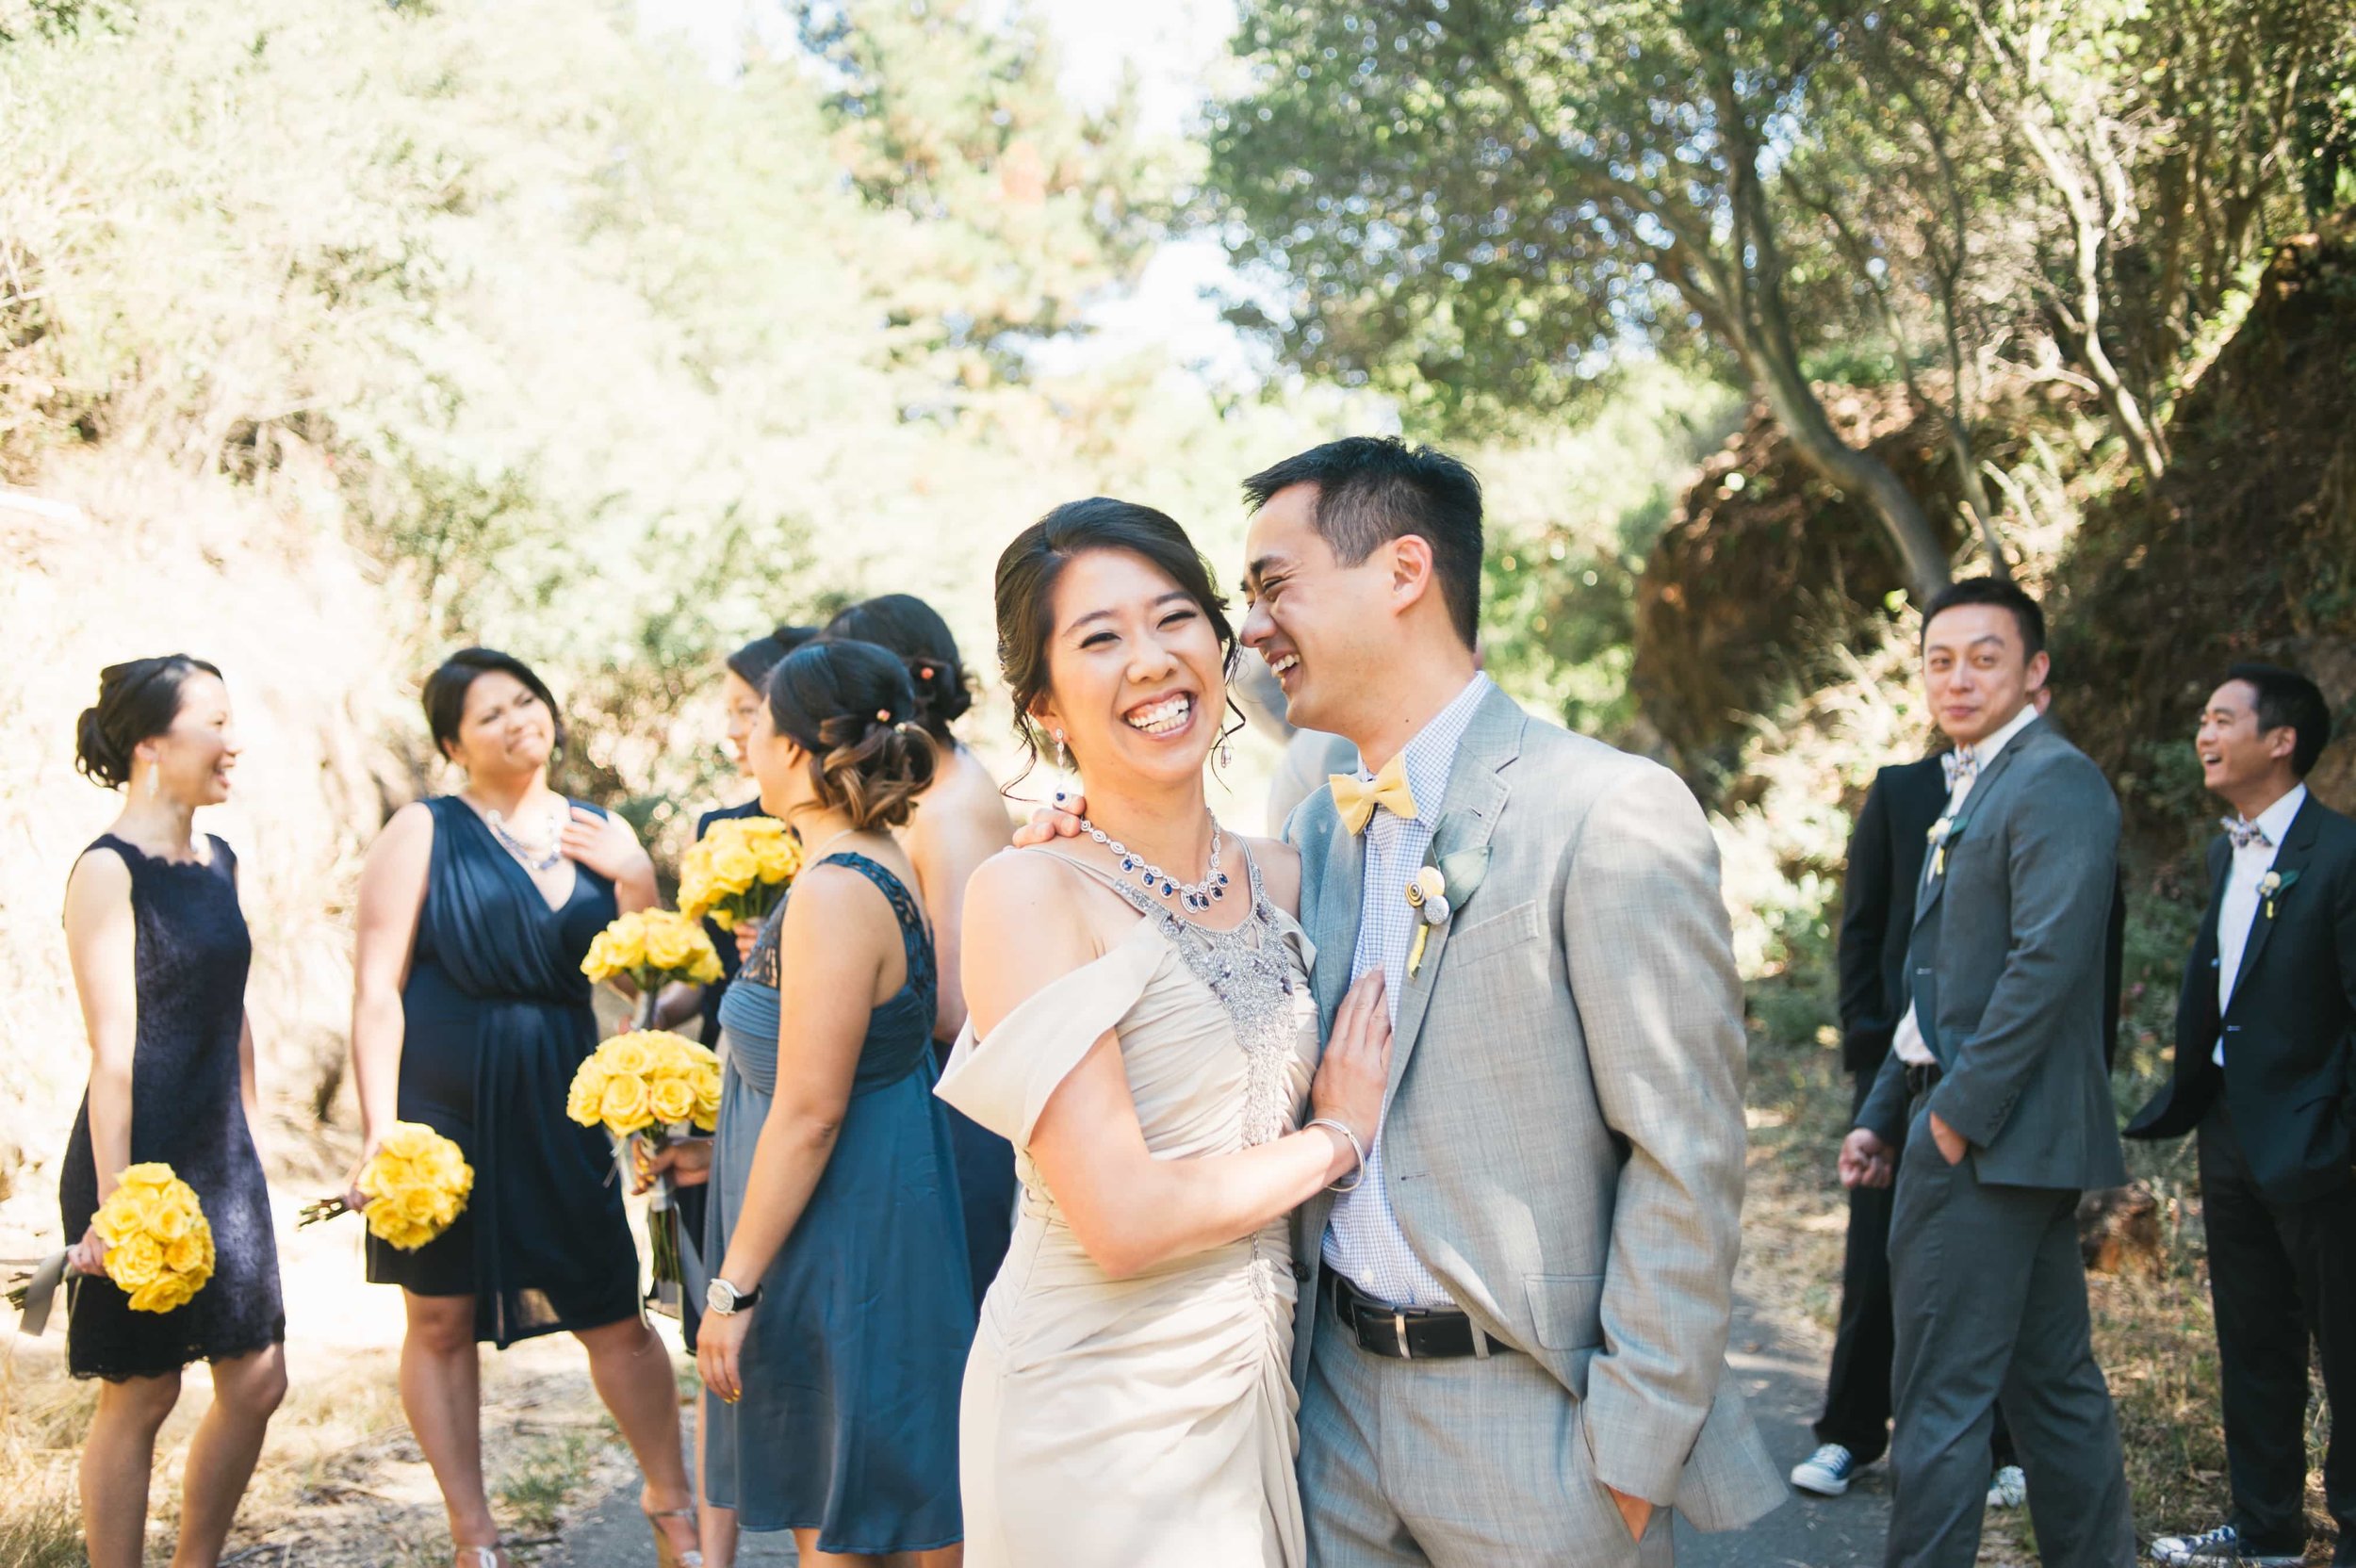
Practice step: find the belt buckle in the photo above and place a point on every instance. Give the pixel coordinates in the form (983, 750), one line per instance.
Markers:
(1399, 1326)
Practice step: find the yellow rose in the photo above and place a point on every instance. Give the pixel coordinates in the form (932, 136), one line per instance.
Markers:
(136, 1261)
(417, 1203)
(624, 1108)
(671, 945)
(167, 1294)
(672, 1100)
(409, 1140)
(169, 1222)
(734, 867)
(777, 858)
(185, 1255)
(151, 1173)
(588, 1093)
(625, 1056)
(707, 971)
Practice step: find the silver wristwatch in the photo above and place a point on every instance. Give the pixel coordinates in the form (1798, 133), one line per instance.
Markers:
(723, 1299)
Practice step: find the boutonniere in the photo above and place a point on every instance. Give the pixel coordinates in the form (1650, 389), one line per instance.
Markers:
(2273, 884)
(1946, 830)
(1439, 890)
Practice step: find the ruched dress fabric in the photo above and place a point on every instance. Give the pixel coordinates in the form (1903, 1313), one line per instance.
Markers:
(498, 1020)
(1145, 1422)
(190, 956)
(848, 1421)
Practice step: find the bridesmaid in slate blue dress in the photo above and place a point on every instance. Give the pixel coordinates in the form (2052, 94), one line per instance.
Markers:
(159, 952)
(840, 1317)
(471, 1014)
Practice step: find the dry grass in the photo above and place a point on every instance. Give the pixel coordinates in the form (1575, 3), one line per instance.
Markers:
(341, 1483)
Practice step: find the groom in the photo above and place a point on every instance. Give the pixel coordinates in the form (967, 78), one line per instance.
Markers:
(1512, 1333)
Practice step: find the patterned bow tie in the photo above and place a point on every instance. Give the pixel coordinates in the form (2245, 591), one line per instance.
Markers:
(1961, 766)
(1358, 797)
(2244, 832)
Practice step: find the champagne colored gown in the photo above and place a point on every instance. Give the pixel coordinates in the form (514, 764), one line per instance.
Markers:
(1147, 1422)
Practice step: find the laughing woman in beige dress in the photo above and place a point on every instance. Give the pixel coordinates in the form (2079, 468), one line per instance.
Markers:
(1142, 1029)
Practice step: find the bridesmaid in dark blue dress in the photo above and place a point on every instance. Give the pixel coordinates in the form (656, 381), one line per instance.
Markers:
(840, 1314)
(160, 950)
(472, 1016)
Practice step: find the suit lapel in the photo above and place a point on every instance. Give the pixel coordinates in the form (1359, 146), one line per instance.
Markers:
(2297, 845)
(1468, 816)
(1983, 796)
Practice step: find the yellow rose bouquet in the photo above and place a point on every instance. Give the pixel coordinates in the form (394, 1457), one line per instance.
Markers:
(417, 1182)
(657, 1086)
(739, 870)
(160, 1246)
(653, 947)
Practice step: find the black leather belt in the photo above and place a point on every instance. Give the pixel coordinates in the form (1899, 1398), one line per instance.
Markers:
(1406, 1333)
(1921, 1077)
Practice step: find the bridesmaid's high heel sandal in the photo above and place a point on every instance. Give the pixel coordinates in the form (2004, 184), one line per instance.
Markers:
(483, 1556)
(667, 1553)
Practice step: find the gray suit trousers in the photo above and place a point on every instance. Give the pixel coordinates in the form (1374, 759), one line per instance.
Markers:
(1455, 1463)
(1990, 1301)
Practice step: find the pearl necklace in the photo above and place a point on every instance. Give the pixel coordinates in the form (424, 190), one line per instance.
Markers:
(1194, 895)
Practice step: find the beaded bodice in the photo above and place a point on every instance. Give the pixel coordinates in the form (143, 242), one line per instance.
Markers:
(1249, 969)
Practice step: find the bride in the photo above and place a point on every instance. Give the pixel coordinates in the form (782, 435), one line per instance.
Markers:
(1141, 1028)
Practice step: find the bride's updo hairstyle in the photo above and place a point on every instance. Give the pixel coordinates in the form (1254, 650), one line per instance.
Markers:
(851, 707)
(1030, 566)
(136, 701)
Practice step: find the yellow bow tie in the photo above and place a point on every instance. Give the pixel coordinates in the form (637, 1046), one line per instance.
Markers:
(1358, 797)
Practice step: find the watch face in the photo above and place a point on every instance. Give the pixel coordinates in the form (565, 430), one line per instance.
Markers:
(720, 1298)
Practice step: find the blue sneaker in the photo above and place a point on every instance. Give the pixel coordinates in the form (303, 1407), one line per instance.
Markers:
(1827, 1472)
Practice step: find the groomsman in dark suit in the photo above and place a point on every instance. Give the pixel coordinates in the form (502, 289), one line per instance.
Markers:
(1885, 867)
(2266, 1075)
(1995, 1090)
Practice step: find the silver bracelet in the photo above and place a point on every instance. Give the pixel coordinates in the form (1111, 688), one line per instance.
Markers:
(1355, 1147)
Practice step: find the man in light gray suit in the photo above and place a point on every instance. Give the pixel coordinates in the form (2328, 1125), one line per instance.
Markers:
(1511, 1331)
(1996, 1076)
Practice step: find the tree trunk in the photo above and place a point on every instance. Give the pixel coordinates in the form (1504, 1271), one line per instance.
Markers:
(1859, 474)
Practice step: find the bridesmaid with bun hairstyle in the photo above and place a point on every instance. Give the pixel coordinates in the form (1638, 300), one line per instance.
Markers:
(470, 1015)
(160, 951)
(959, 822)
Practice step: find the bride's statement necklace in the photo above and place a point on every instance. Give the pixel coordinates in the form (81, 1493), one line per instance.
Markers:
(1197, 896)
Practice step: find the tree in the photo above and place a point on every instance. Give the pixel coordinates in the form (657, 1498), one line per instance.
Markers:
(1477, 203)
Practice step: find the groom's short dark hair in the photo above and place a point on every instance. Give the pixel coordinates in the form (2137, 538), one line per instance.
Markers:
(1376, 488)
(2288, 701)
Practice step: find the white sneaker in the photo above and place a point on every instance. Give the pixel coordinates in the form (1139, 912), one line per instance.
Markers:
(2009, 1488)
(2220, 1545)
(1827, 1472)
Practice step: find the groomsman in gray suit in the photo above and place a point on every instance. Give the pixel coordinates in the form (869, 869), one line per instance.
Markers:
(1996, 1089)
(1512, 1334)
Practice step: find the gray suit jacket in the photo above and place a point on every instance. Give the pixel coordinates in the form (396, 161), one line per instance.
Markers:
(1563, 1139)
(2005, 973)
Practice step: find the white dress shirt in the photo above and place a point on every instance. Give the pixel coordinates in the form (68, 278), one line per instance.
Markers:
(2239, 906)
(1362, 1239)
(1907, 1039)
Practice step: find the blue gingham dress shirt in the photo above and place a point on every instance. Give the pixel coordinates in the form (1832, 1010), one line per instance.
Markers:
(1362, 1239)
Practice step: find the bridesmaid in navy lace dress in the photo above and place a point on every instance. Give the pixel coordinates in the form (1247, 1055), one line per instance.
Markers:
(840, 1314)
(159, 952)
(470, 1015)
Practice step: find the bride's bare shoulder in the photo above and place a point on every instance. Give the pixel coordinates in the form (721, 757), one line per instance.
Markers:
(1280, 871)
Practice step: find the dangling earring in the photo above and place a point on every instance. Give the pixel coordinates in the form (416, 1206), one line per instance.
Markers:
(1063, 753)
(1226, 753)
(153, 774)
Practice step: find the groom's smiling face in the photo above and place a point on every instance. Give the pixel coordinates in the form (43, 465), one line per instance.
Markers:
(1309, 615)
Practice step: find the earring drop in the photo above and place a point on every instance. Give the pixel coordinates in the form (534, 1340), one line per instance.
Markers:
(153, 774)
(1063, 753)
(1226, 753)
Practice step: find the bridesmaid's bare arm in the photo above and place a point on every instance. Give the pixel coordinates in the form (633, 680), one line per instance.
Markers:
(101, 942)
(392, 895)
(1130, 1211)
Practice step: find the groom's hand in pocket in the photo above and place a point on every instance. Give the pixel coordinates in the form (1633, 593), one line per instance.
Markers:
(1058, 819)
